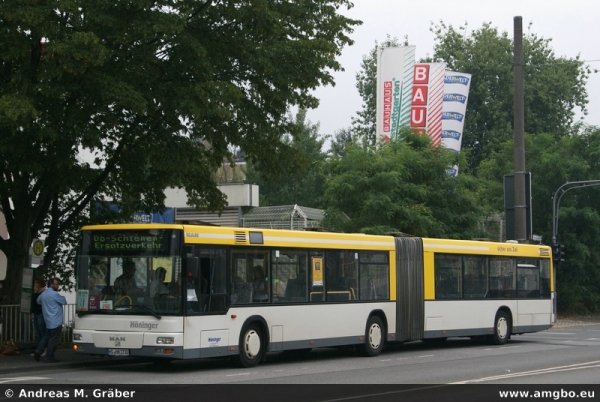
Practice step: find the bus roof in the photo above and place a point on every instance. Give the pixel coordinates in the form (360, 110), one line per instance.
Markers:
(221, 235)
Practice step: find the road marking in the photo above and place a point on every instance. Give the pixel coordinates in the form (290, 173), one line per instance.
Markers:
(369, 396)
(419, 357)
(237, 375)
(549, 336)
(503, 347)
(15, 379)
(579, 366)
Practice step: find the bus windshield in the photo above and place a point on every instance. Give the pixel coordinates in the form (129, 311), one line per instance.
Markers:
(134, 271)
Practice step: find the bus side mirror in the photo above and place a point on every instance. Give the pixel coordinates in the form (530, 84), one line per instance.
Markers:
(191, 264)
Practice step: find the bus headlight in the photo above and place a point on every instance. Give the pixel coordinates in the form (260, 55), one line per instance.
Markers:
(165, 340)
(77, 337)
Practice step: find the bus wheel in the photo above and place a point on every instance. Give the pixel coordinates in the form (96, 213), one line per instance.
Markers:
(501, 329)
(374, 337)
(251, 347)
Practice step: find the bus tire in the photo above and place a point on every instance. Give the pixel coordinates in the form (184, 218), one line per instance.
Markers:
(501, 328)
(251, 347)
(374, 337)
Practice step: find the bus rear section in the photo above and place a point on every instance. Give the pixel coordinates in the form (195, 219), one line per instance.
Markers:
(455, 288)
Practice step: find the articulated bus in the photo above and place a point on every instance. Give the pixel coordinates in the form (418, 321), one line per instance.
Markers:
(169, 291)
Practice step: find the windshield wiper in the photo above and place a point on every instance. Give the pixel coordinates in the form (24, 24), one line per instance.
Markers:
(148, 309)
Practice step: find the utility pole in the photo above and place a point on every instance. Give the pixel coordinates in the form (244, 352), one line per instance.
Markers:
(520, 207)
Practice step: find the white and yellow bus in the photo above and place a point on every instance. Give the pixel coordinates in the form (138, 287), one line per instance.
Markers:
(206, 291)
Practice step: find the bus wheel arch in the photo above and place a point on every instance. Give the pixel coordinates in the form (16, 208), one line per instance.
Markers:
(375, 334)
(502, 326)
(253, 341)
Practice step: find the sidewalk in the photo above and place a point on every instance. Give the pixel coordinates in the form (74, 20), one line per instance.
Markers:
(575, 321)
(24, 362)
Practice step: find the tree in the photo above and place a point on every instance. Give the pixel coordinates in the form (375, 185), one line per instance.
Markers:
(401, 186)
(554, 86)
(302, 182)
(155, 91)
(340, 141)
(552, 163)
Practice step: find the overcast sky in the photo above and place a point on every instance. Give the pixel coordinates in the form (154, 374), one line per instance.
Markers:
(572, 25)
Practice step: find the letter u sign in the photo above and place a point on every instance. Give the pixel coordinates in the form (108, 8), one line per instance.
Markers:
(418, 116)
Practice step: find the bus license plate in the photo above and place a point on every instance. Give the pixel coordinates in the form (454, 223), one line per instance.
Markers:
(117, 352)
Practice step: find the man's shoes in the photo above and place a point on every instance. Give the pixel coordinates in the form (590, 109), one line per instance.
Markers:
(53, 360)
(36, 356)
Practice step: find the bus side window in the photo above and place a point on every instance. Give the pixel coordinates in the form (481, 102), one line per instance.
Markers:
(447, 276)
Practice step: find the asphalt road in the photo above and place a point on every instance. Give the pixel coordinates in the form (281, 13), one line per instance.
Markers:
(568, 355)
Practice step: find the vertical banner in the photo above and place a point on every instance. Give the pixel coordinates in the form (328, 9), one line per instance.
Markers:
(456, 94)
(427, 99)
(394, 90)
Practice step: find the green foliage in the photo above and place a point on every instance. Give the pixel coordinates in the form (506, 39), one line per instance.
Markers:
(403, 187)
(554, 86)
(155, 92)
(553, 163)
(301, 181)
(340, 140)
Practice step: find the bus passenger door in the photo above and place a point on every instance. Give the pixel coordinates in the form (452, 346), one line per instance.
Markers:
(207, 291)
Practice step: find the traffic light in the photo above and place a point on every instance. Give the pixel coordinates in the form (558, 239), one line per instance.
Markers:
(558, 253)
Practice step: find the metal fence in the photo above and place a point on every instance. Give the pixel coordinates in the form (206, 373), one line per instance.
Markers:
(18, 326)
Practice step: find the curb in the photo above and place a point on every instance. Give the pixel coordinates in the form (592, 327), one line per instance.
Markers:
(25, 363)
(574, 323)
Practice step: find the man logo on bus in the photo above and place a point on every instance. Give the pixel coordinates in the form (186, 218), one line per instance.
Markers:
(117, 340)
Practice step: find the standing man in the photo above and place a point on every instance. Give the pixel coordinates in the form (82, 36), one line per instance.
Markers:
(52, 309)
(39, 325)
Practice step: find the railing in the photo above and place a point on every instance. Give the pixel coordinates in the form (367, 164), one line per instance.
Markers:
(18, 326)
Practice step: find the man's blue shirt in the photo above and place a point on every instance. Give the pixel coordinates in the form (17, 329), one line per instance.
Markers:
(52, 310)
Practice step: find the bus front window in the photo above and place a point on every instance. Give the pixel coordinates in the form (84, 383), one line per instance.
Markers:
(129, 273)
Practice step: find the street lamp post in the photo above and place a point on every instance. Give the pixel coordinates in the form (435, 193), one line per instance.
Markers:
(556, 201)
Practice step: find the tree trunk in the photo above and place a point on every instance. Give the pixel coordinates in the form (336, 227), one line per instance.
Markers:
(16, 261)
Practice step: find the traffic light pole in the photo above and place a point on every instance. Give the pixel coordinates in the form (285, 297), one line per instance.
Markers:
(556, 201)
